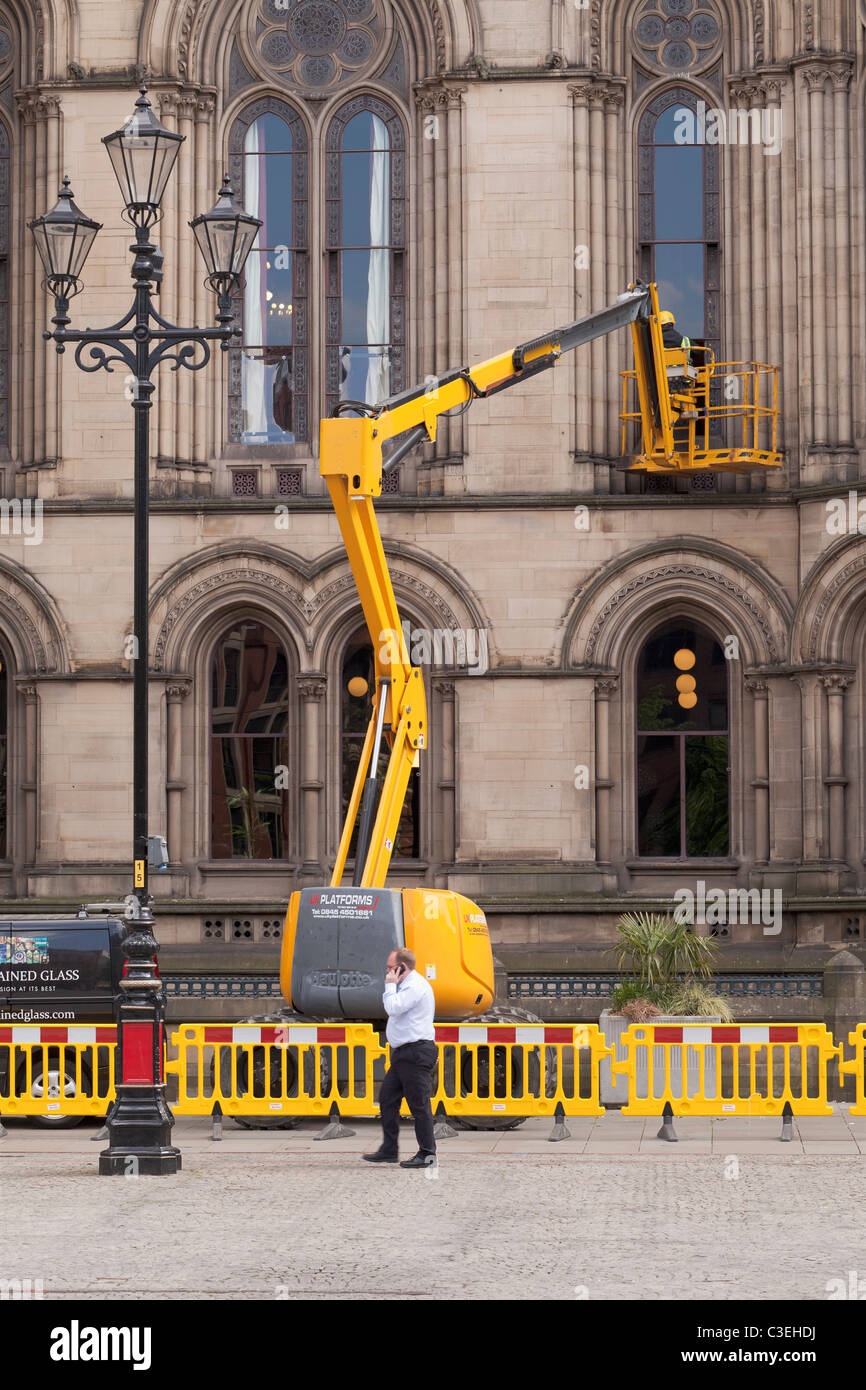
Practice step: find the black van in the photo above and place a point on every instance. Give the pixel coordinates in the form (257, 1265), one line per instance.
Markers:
(57, 970)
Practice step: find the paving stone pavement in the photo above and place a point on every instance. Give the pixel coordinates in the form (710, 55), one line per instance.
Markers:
(612, 1213)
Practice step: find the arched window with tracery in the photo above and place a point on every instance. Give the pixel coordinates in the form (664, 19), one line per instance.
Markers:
(682, 745)
(249, 799)
(4, 724)
(268, 374)
(365, 238)
(4, 279)
(356, 702)
(678, 214)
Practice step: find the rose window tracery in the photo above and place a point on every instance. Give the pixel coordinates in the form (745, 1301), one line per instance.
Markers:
(317, 43)
(677, 35)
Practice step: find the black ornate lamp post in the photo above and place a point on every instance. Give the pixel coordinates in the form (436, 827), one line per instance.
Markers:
(143, 154)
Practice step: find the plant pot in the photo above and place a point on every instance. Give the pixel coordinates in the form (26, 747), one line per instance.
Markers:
(614, 1025)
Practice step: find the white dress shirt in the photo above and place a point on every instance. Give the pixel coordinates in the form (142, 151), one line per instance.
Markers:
(410, 1007)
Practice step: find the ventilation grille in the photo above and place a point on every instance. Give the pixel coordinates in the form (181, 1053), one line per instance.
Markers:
(703, 482)
(391, 483)
(288, 482)
(245, 482)
(242, 930)
(657, 484)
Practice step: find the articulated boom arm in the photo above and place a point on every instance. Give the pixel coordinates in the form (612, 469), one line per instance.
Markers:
(351, 464)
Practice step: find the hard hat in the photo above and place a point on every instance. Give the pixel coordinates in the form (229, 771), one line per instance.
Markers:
(666, 316)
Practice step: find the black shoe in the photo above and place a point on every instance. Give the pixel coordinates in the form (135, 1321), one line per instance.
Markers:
(380, 1156)
(421, 1160)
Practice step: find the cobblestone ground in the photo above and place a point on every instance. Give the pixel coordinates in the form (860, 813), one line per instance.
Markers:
(279, 1216)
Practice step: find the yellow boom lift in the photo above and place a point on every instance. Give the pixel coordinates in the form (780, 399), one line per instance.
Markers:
(337, 937)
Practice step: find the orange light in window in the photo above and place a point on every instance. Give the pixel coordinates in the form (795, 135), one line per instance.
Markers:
(684, 660)
(686, 684)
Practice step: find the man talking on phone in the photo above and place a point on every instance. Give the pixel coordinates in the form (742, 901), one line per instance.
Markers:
(410, 1006)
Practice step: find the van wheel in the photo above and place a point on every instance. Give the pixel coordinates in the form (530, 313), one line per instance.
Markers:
(48, 1082)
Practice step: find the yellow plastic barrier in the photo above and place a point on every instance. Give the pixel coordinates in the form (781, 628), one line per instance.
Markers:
(56, 1069)
(534, 1068)
(726, 1069)
(276, 1069)
(856, 1067)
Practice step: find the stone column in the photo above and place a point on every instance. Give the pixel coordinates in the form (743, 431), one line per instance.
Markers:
(757, 688)
(52, 380)
(21, 420)
(774, 284)
(204, 382)
(617, 279)
(447, 808)
(584, 473)
(439, 360)
(175, 693)
(605, 687)
(841, 78)
(429, 131)
(741, 99)
(835, 780)
(29, 764)
(164, 413)
(186, 271)
(789, 425)
(597, 258)
(456, 306)
(844, 1008)
(312, 687)
(816, 80)
(812, 847)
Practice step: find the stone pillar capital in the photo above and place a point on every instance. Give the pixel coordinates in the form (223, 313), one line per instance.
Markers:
(177, 690)
(312, 685)
(605, 686)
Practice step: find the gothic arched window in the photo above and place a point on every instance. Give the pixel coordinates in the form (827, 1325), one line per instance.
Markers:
(356, 695)
(678, 214)
(365, 237)
(4, 281)
(682, 745)
(249, 744)
(4, 837)
(268, 381)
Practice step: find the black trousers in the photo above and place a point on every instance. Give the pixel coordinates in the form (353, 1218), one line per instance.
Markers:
(409, 1075)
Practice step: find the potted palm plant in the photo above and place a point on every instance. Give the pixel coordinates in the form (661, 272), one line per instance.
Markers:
(665, 966)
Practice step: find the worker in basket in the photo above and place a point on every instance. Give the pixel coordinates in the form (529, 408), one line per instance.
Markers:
(676, 343)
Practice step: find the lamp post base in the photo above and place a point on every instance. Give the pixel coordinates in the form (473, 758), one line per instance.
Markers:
(139, 1129)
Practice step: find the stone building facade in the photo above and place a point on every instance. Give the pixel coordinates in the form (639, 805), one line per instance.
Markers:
(514, 168)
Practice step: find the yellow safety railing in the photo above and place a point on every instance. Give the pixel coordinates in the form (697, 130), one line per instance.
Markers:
(56, 1069)
(856, 1067)
(737, 410)
(518, 1069)
(726, 1069)
(276, 1069)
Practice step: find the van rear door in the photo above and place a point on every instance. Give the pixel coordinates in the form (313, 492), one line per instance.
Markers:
(4, 966)
(60, 972)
